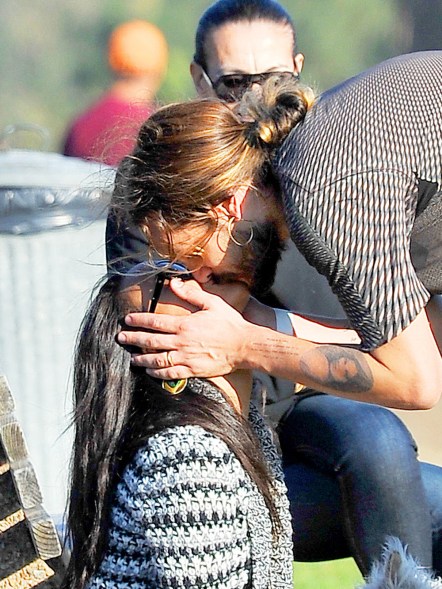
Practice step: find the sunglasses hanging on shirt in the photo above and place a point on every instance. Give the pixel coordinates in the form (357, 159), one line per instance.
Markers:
(168, 270)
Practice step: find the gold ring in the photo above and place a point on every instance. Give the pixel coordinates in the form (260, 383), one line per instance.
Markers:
(169, 359)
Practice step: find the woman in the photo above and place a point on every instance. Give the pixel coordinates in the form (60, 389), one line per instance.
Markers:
(351, 178)
(169, 490)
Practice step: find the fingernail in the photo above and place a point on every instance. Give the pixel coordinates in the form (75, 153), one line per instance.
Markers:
(121, 337)
(178, 282)
(128, 319)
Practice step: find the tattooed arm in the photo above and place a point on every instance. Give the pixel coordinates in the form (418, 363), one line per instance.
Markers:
(404, 373)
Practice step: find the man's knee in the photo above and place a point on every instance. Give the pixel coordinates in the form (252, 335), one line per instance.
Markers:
(336, 430)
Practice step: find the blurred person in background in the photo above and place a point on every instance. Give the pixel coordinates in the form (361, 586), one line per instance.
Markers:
(106, 131)
(342, 458)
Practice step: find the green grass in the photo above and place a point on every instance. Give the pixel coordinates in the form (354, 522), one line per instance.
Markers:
(335, 574)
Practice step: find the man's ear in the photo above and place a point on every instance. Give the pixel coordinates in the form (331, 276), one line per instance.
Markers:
(234, 205)
(199, 80)
(299, 62)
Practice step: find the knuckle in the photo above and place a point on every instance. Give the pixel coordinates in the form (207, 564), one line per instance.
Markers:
(154, 322)
(141, 342)
(160, 362)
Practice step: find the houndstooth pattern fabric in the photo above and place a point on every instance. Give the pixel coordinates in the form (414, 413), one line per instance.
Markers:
(354, 174)
(187, 515)
(278, 573)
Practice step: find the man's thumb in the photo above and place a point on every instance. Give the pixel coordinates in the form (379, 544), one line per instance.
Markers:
(190, 291)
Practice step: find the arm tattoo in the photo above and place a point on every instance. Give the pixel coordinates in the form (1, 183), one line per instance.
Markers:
(341, 369)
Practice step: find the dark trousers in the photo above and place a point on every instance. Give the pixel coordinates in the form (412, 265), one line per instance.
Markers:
(353, 479)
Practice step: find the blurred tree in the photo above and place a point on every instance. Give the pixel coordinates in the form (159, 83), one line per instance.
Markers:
(342, 37)
(53, 54)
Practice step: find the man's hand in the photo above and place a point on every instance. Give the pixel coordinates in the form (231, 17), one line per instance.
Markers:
(209, 342)
(235, 294)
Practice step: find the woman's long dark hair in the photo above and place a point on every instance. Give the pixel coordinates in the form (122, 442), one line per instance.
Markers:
(116, 409)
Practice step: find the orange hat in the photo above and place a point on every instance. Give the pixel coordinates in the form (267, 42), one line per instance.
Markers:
(138, 47)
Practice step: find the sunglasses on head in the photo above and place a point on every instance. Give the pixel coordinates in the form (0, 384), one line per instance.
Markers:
(168, 270)
(232, 87)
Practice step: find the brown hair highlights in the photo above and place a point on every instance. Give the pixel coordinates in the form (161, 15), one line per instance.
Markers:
(190, 156)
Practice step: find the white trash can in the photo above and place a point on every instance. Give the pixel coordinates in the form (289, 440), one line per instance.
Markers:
(52, 232)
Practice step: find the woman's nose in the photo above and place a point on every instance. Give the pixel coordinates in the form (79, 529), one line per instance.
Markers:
(203, 274)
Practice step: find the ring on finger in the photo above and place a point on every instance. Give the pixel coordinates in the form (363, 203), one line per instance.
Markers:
(169, 360)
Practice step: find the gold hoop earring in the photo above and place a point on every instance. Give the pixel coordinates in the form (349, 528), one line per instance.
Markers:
(235, 241)
(197, 251)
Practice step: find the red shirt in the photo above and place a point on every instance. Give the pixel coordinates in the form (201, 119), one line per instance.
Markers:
(106, 131)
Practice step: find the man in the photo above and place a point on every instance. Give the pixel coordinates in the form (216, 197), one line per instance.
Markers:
(342, 458)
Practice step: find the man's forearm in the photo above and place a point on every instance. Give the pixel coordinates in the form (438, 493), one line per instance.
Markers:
(330, 368)
(388, 376)
(303, 327)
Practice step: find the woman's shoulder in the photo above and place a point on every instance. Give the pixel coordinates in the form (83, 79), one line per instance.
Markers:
(180, 510)
(180, 442)
(188, 454)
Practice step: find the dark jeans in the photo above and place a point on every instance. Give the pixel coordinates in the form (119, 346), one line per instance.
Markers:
(353, 479)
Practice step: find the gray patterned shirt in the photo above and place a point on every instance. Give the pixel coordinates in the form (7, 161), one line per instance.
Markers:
(357, 174)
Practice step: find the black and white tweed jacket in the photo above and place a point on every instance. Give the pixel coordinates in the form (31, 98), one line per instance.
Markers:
(186, 514)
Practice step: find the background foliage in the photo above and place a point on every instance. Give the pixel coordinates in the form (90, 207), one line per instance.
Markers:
(53, 54)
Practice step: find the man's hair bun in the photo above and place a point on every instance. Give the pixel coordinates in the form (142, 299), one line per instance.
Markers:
(274, 111)
(266, 131)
